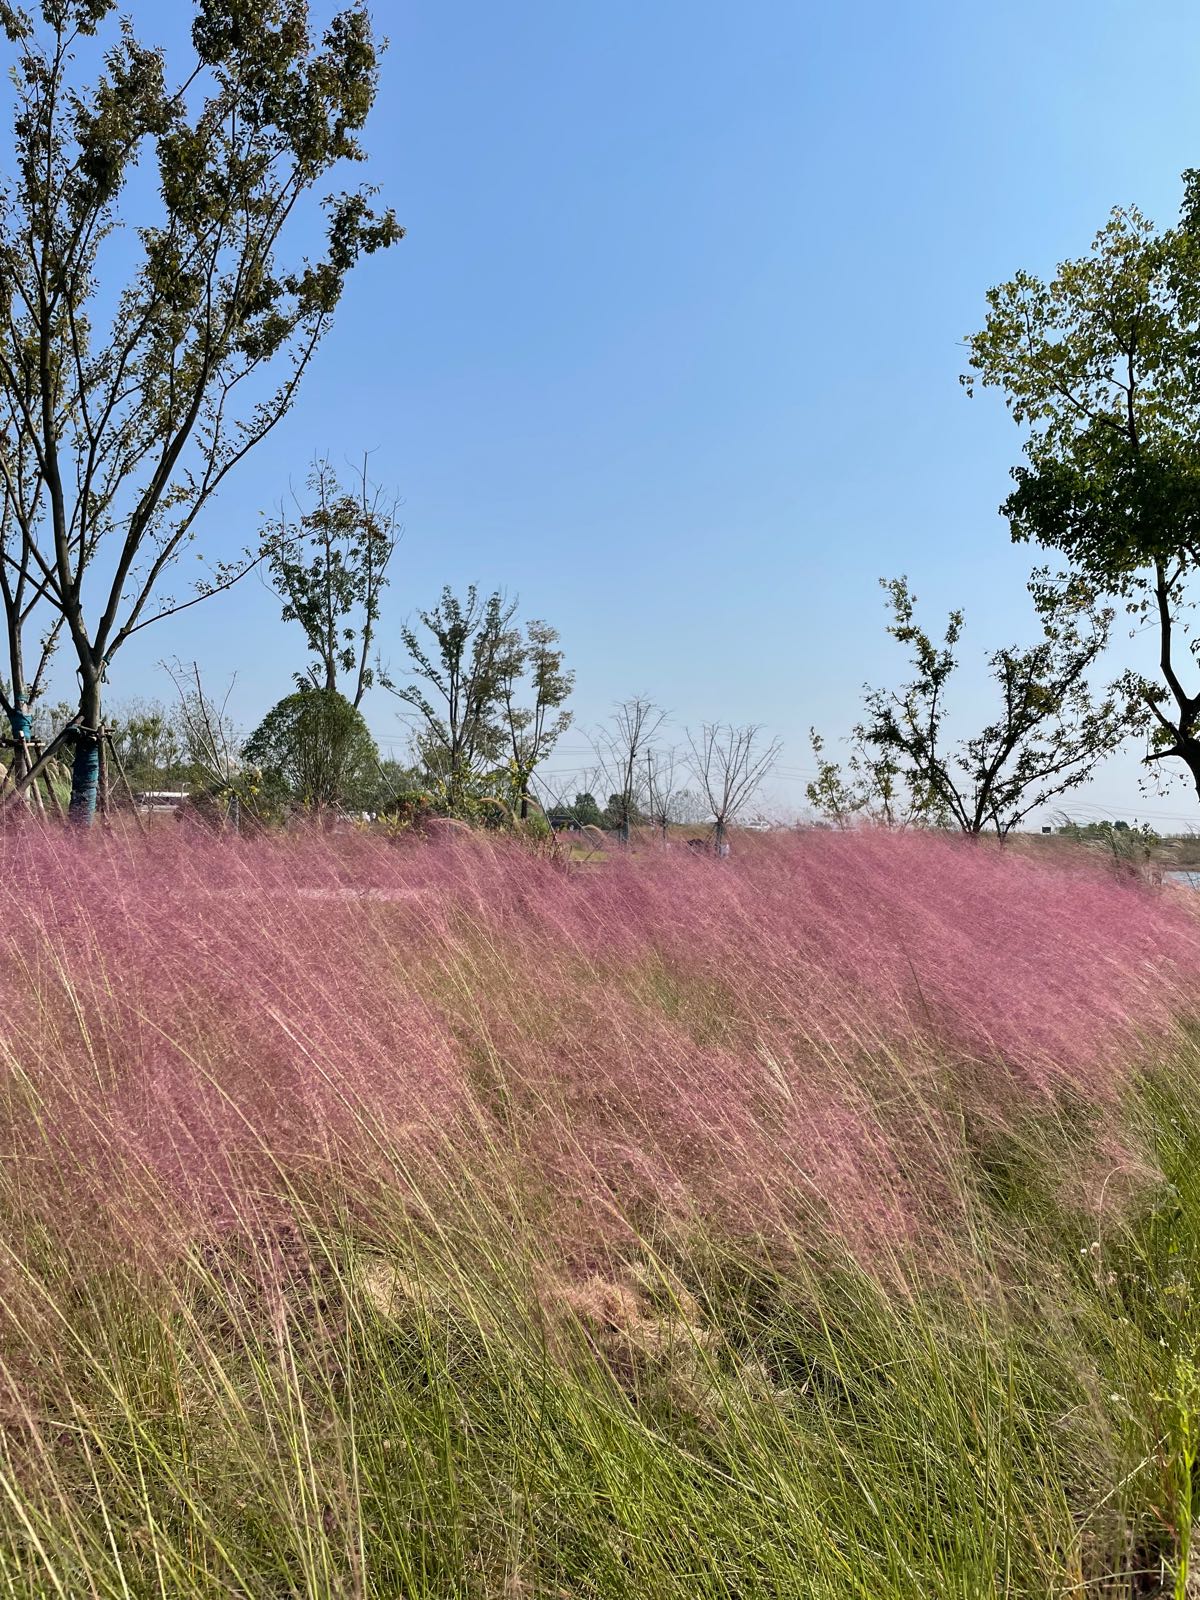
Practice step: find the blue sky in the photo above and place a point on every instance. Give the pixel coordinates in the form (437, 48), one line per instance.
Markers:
(671, 348)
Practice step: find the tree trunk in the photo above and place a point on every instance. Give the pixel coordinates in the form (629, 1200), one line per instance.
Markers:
(85, 768)
(20, 728)
(1190, 755)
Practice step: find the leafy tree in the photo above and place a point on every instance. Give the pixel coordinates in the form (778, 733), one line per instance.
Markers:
(622, 813)
(122, 407)
(586, 810)
(458, 687)
(1046, 740)
(868, 788)
(314, 752)
(533, 729)
(1098, 364)
(329, 567)
(394, 787)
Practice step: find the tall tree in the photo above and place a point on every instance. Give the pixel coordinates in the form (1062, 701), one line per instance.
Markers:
(730, 765)
(126, 402)
(585, 809)
(620, 746)
(329, 566)
(1098, 364)
(457, 685)
(665, 773)
(533, 686)
(1050, 732)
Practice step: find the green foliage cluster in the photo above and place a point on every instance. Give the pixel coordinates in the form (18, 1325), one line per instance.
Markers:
(488, 702)
(330, 567)
(1050, 730)
(313, 751)
(1097, 365)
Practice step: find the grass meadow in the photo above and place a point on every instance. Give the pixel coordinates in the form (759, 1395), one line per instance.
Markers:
(397, 1220)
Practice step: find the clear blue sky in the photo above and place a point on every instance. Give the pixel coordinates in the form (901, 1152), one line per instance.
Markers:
(671, 349)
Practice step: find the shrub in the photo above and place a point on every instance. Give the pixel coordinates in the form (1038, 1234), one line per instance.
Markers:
(314, 751)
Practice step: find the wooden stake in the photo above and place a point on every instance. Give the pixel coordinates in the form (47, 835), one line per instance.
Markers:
(39, 766)
(102, 784)
(137, 815)
(23, 745)
(51, 791)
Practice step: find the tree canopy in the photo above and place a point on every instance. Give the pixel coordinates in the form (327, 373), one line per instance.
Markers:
(128, 394)
(314, 751)
(329, 566)
(1099, 364)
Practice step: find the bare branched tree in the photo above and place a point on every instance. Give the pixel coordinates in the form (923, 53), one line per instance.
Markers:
(730, 765)
(621, 747)
(210, 741)
(665, 773)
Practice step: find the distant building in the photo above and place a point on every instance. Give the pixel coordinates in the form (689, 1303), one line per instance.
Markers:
(159, 800)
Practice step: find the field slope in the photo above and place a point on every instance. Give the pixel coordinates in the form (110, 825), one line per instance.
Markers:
(385, 1220)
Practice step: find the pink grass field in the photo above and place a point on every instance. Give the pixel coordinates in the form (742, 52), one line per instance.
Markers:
(783, 1041)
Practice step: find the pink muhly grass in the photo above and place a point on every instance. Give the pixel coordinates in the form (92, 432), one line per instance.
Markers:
(778, 1042)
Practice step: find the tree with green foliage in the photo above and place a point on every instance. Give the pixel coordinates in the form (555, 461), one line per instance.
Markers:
(532, 663)
(329, 566)
(457, 687)
(868, 788)
(1050, 732)
(622, 813)
(1098, 365)
(585, 810)
(147, 745)
(122, 407)
(315, 753)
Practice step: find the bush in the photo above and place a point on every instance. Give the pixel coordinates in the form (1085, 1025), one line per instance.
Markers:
(314, 751)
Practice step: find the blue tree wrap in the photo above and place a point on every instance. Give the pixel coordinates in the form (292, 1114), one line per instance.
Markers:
(20, 723)
(85, 780)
